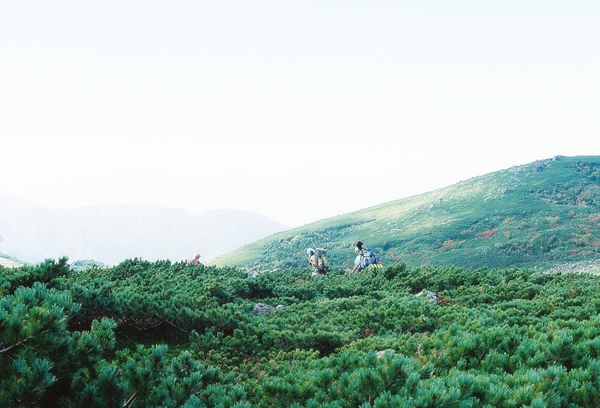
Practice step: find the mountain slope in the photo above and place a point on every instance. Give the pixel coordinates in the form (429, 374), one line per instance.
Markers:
(538, 214)
(110, 234)
(9, 262)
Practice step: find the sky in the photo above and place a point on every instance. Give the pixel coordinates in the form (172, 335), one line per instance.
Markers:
(298, 111)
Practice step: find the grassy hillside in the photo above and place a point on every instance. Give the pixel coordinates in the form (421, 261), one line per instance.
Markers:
(534, 215)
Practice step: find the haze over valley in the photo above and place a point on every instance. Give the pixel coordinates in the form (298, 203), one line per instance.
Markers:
(111, 234)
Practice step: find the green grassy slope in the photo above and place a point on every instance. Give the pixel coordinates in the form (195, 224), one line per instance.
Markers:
(535, 215)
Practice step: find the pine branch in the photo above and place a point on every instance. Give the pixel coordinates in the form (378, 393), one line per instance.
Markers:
(7, 349)
(181, 329)
(130, 401)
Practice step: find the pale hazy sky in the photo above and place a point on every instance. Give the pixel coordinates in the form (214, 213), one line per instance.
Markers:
(295, 110)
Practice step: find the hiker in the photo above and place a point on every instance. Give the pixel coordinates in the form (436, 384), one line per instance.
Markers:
(195, 261)
(316, 259)
(365, 257)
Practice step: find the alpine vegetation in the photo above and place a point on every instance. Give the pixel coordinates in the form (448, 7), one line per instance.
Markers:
(175, 335)
(482, 294)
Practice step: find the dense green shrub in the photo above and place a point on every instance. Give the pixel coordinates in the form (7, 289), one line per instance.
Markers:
(169, 334)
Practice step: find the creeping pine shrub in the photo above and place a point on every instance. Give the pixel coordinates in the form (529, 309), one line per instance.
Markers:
(163, 334)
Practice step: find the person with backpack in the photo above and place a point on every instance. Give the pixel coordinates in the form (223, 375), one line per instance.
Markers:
(365, 258)
(318, 261)
(195, 261)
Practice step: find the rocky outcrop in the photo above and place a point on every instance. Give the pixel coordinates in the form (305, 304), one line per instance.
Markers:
(262, 308)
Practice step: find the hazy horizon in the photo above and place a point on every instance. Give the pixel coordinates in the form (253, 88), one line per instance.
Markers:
(296, 111)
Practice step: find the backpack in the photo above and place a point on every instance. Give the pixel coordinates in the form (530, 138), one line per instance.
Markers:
(369, 257)
(322, 264)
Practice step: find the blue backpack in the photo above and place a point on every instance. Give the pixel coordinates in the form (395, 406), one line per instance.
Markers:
(369, 257)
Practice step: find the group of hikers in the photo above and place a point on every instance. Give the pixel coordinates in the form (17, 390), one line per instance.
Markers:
(365, 258)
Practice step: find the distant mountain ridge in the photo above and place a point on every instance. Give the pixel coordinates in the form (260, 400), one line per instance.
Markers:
(112, 233)
(535, 215)
(9, 261)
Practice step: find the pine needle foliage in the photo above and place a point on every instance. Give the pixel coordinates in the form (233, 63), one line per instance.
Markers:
(167, 334)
